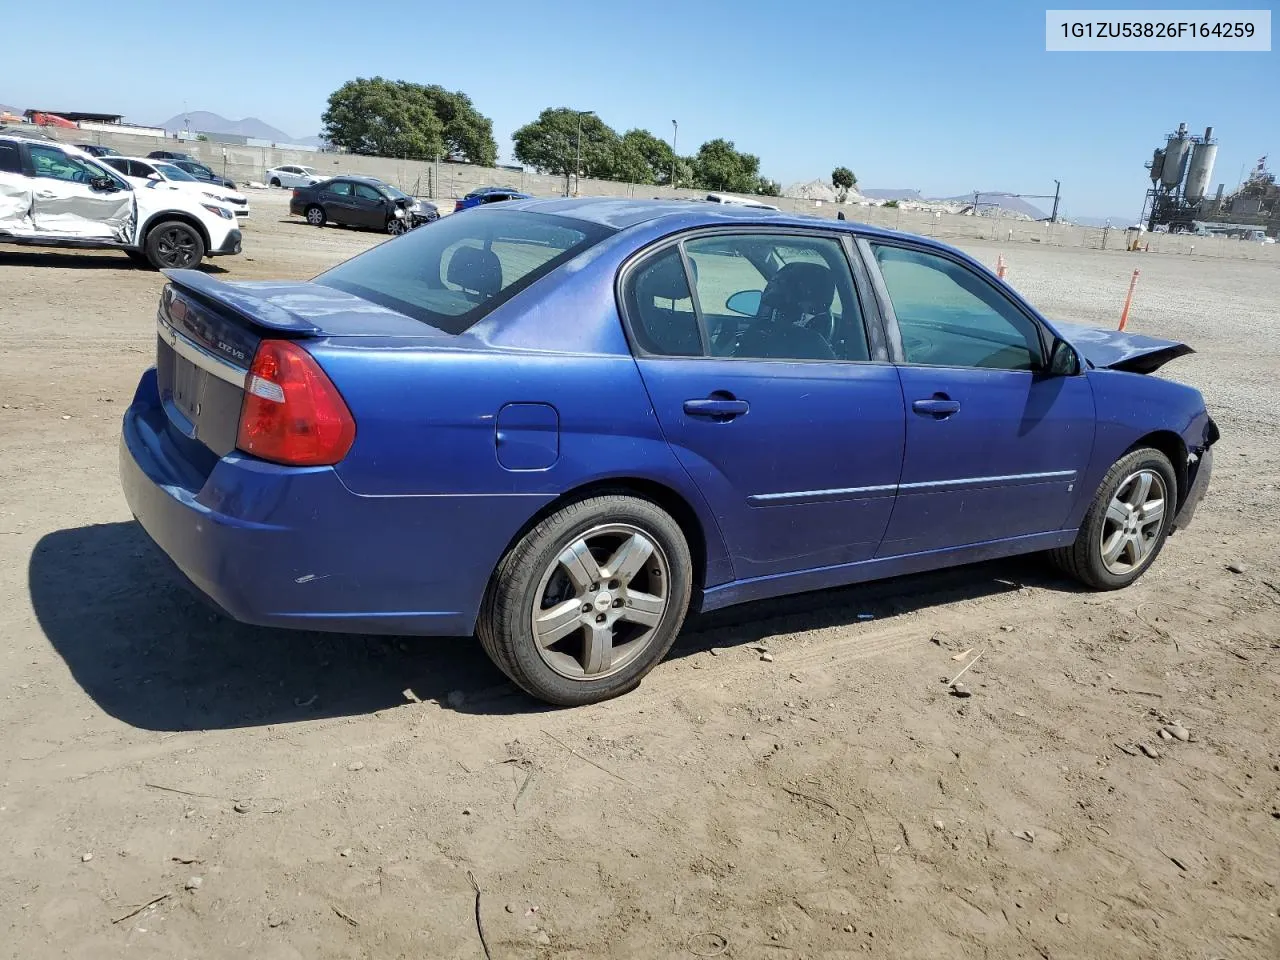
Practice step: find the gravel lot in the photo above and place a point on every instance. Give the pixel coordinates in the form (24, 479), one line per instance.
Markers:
(334, 793)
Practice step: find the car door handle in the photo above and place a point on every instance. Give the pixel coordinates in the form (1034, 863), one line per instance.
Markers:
(718, 408)
(938, 406)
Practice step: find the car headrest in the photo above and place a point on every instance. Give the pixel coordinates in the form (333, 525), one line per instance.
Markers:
(476, 270)
(798, 288)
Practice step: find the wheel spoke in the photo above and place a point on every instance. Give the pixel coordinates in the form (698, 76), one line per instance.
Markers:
(1141, 487)
(1152, 512)
(1117, 513)
(628, 559)
(557, 622)
(643, 608)
(580, 565)
(1132, 551)
(1112, 546)
(599, 649)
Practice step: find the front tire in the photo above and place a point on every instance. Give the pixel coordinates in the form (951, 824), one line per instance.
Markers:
(315, 215)
(275, 181)
(1127, 523)
(174, 245)
(396, 226)
(589, 600)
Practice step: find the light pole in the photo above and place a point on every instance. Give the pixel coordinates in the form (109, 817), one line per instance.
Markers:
(675, 132)
(577, 167)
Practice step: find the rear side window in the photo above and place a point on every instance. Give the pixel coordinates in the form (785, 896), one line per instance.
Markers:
(660, 306)
(340, 187)
(10, 159)
(455, 271)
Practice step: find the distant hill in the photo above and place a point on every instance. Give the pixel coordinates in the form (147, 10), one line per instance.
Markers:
(201, 121)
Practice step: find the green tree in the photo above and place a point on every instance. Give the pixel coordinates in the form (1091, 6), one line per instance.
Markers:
(389, 118)
(718, 165)
(769, 188)
(550, 144)
(642, 148)
(468, 134)
(843, 179)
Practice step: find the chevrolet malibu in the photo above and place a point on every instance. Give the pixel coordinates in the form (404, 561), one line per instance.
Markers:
(561, 425)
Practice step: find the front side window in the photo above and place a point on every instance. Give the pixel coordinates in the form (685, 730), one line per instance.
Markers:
(950, 316)
(366, 192)
(56, 165)
(777, 297)
(461, 269)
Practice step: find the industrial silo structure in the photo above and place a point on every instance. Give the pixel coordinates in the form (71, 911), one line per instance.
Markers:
(1200, 169)
(1157, 164)
(1175, 158)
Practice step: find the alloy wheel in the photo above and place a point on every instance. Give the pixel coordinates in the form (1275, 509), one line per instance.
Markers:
(1133, 522)
(600, 601)
(176, 248)
(315, 217)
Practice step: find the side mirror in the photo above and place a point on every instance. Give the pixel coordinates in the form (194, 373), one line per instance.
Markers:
(103, 185)
(1063, 360)
(745, 302)
(155, 176)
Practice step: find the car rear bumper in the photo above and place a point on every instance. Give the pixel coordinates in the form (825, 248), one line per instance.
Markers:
(293, 547)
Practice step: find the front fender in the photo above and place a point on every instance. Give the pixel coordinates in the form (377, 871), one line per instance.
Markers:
(1132, 406)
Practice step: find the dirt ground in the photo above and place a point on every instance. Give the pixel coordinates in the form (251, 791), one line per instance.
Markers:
(335, 795)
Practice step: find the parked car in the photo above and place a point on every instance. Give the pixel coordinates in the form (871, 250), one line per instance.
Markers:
(192, 166)
(563, 424)
(98, 150)
(57, 195)
(484, 195)
(147, 173)
(292, 176)
(361, 202)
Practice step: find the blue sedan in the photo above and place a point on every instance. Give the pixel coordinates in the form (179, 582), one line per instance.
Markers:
(562, 425)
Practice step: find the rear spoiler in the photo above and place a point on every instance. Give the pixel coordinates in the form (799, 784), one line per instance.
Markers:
(255, 310)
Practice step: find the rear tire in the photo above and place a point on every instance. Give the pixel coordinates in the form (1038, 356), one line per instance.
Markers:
(595, 643)
(315, 215)
(174, 245)
(1127, 523)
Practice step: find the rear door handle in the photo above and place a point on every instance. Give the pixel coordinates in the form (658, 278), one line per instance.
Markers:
(717, 408)
(936, 406)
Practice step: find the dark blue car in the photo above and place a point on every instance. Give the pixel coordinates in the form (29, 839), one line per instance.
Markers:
(484, 195)
(563, 424)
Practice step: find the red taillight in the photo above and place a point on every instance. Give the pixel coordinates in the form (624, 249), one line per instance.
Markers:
(292, 412)
(457, 205)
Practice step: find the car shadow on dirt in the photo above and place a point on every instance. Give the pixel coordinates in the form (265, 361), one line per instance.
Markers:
(156, 657)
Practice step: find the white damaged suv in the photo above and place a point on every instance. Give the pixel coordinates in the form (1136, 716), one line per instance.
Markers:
(54, 194)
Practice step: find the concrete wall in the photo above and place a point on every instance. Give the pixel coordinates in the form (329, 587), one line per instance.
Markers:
(245, 163)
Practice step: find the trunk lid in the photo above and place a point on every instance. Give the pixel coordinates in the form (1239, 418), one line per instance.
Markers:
(1118, 350)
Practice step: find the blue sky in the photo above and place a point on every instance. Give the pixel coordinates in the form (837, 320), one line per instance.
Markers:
(943, 96)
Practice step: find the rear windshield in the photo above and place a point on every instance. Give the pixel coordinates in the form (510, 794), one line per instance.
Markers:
(453, 272)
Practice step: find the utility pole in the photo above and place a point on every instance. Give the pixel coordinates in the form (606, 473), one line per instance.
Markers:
(675, 132)
(1057, 195)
